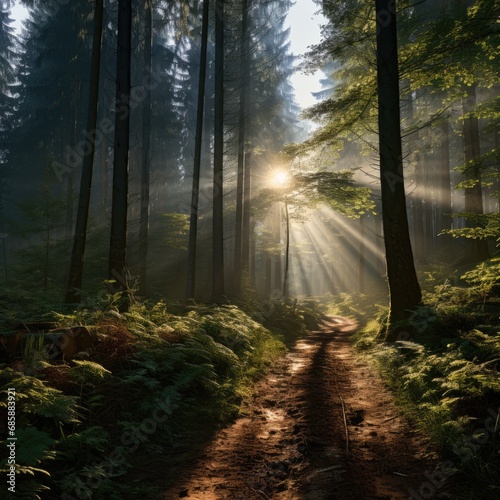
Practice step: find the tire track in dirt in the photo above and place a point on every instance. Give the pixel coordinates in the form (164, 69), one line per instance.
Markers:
(319, 426)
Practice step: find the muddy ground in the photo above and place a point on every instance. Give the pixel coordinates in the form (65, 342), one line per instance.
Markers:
(320, 426)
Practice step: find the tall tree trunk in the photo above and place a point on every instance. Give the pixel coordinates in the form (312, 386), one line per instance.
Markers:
(145, 156)
(416, 197)
(418, 212)
(445, 220)
(269, 274)
(429, 181)
(497, 183)
(277, 242)
(195, 193)
(70, 186)
(118, 241)
(253, 255)
(287, 254)
(218, 195)
(78, 252)
(475, 250)
(362, 253)
(241, 149)
(379, 242)
(103, 163)
(247, 193)
(404, 288)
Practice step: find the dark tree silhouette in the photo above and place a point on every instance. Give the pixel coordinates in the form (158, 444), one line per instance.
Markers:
(404, 288)
(218, 193)
(193, 221)
(117, 268)
(73, 290)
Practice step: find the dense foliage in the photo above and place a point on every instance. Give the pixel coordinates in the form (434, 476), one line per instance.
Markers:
(444, 371)
(155, 383)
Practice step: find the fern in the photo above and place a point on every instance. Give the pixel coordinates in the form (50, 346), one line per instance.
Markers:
(33, 447)
(34, 397)
(87, 372)
(86, 442)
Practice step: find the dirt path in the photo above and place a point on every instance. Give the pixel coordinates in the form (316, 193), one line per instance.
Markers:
(320, 426)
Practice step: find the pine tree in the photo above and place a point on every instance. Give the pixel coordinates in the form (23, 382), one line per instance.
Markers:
(8, 57)
(117, 266)
(404, 289)
(218, 185)
(193, 226)
(78, 253)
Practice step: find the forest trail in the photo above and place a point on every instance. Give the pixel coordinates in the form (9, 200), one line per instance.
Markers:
(319, 426)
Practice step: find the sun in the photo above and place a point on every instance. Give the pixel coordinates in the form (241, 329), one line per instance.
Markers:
(280, 178)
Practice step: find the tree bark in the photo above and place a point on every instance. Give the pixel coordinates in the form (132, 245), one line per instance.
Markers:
(475, 250)
(241, 151)
(404, 288)
(445, 178)
(418, 212)
(195, 193)
(245, 254)
(362, 255)
(218, 195)
(117, 269)
(277, 241)
(145, 156)
(78, 252)
(287, 254)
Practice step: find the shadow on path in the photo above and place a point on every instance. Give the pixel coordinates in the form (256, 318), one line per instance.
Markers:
(320, 426)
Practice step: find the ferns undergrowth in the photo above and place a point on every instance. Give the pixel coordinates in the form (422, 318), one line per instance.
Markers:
(157, 381)
(444, 369)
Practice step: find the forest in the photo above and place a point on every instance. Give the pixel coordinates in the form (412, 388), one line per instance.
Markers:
(207, 291)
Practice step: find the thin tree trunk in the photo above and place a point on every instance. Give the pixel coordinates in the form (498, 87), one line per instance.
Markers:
(241, 150)
(379, 242)
(269, 275)
(193, 221)
(218, 195)
(70, 186)
(362, 252)
(145, 160)
(417, 208)
(70, 203)
(252, 255)
(475, 250)
(78, 253)
(445, 180)
(287, 253)
(118, 242)
(104, 174)
(404, 288)
(429, 181)
(277, 241)
(3, 238)
(245, 253)
(418, 213)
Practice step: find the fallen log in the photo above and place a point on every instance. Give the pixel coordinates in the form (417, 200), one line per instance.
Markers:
(55, 344)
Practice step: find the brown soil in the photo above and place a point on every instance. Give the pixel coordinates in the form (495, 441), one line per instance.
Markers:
(320, 426)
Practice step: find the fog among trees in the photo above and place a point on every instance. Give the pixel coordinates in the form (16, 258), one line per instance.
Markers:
(153, 158)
